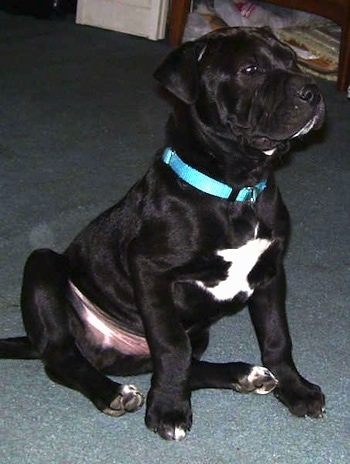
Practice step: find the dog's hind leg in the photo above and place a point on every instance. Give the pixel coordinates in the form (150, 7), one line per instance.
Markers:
(17, 348)
(46, 317)
(238, 376)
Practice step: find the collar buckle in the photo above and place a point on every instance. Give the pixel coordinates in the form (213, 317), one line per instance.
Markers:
(252, 194)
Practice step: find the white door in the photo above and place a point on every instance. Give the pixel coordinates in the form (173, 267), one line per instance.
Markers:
(146, 18)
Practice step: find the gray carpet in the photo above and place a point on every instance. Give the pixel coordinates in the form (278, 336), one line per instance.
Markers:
(79, 122)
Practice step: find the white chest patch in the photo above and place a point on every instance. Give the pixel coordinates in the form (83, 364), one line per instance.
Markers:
(242, 260)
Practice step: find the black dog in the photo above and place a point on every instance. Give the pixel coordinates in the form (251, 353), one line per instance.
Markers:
(201, 235)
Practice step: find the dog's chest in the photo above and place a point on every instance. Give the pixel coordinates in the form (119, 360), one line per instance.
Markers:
(240, 263)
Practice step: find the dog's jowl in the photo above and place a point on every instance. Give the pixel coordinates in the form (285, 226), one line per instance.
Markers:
(199, 237)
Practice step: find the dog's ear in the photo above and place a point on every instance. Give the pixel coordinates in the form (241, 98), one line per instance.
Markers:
(179, 71)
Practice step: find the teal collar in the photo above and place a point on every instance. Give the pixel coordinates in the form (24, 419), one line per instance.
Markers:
(208, 185)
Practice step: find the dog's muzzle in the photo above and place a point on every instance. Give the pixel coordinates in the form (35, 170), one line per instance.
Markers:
(312, 95)
(286, 106)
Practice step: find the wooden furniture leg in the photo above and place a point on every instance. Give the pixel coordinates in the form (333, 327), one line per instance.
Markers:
(177, 20)
(344, 59)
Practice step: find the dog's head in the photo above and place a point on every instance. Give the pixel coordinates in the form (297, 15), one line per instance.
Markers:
(244, 85)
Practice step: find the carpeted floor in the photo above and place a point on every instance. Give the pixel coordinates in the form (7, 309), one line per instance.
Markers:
(79, 122)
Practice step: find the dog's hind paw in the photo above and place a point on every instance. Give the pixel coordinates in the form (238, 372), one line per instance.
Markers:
(259, 380)
(129, 399)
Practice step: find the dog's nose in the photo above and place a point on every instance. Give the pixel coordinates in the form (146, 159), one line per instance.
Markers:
(310, 94)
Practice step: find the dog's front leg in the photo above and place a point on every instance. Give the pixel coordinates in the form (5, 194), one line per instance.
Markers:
(168, 403)
(267, 310)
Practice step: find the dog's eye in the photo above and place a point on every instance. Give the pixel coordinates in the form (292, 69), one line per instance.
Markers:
(249, 70)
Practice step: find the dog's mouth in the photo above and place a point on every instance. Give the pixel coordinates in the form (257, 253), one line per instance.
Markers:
(269, 146)
(269, 152)
(313, 123)
(265, 144)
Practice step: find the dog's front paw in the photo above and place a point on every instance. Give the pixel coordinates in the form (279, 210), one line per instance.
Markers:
(170, 419)
(258, 380)
(302, 398)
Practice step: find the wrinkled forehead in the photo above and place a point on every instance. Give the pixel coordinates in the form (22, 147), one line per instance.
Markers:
(231, 49)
